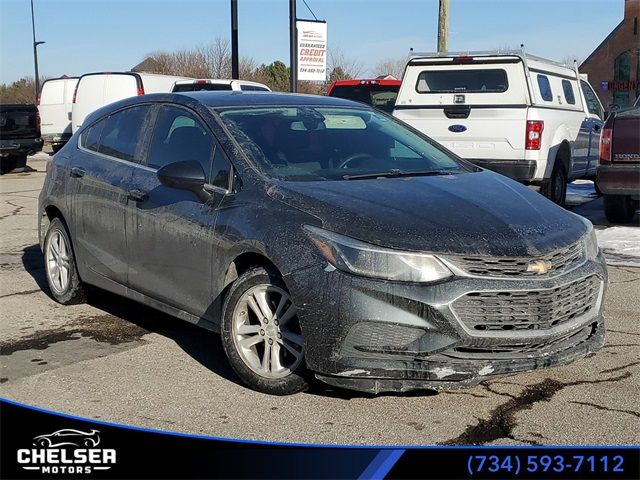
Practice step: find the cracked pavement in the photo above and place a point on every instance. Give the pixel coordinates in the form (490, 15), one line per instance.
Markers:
(118, 361)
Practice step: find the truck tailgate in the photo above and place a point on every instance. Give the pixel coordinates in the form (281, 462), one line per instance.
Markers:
(625, 145)
(19, 121)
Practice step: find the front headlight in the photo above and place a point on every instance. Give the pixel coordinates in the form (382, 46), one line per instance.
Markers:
(591, 243)
(360, 258)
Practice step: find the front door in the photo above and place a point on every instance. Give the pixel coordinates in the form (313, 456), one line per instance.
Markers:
(170, 231)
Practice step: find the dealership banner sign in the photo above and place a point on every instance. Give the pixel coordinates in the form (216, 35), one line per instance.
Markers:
(36, 443)
(312, 50)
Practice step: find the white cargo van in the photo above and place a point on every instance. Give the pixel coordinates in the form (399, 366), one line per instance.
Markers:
(218, 84)
(532, 119)
(95, 90)
(54, 105)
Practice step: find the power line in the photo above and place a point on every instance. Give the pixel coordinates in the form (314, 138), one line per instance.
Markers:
(309, 8)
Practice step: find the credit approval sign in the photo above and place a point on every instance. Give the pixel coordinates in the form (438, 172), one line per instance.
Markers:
(312, 50)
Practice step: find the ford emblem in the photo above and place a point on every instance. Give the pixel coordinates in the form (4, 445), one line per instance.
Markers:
(457, 128)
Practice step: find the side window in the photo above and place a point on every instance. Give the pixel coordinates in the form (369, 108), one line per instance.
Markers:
(545, 88)
(91, 136)
(179, 135)
(593, 104)
(568, 92)
(220, 170)
(122, 133)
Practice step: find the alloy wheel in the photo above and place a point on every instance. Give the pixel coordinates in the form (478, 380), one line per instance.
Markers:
(266, 331)
(58, 262)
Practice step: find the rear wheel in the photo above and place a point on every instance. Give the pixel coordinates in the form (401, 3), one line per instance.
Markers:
(619, 208)
(60, 265)
(556, 188)
(261, 334)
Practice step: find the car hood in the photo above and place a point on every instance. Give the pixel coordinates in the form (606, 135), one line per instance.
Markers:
(471, 213)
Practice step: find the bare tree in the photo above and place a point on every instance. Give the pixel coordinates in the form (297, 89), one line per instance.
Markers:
(351, 67)
(391, 66)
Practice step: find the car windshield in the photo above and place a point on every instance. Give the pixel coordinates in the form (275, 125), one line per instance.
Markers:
(328, 143)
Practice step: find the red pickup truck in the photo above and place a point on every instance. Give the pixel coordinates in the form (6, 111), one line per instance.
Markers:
(379, 92)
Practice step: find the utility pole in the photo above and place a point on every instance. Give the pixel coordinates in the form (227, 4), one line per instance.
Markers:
(293, 46)
(35, 52)
(443, 26)
(235, 62)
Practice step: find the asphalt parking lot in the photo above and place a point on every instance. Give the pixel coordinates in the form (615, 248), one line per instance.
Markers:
(117, 361)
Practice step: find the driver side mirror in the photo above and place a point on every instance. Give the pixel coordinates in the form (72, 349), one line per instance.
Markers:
(185, 175)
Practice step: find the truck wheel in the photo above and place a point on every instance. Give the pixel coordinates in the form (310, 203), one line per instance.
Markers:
(60, 265)
(555, 189)
(13, 162)
(619, 208)
(261, 334)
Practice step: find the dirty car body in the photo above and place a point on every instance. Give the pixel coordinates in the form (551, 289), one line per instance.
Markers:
(402, 278)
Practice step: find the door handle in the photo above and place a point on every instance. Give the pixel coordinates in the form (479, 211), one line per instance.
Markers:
(77, 172)
(138, 195)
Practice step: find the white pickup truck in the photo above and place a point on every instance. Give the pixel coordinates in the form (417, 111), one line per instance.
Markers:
(531, 119)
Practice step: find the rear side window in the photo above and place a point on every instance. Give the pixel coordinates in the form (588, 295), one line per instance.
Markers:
(197, 87)
(90, 138)
(180, 135)
(252, 88)
(568, 92)
(493, 80)
(122, 133)
(545, 88)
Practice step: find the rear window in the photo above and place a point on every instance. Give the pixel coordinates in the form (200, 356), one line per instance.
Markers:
(490, 80)
(379, 96)
(197, 87)
(568, 92)
(253, 88)
(545, 88)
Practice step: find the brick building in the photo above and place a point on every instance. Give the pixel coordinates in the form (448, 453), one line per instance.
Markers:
(614, 66)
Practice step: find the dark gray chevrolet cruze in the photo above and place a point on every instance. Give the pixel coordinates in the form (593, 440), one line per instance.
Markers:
(319, 235)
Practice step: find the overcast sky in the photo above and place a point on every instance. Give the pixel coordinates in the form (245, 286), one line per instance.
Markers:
(109, 35)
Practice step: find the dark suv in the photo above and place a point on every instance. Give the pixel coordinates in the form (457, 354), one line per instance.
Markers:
(319, 235)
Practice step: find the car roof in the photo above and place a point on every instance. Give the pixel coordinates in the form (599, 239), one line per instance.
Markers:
(238, 99)
(367, 81)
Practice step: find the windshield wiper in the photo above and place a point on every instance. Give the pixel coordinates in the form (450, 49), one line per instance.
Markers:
(399, 173)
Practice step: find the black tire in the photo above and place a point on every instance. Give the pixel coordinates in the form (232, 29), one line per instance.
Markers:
(74, 292)
(294, 382)
(12, 162)
(619, 208)
(555, 189)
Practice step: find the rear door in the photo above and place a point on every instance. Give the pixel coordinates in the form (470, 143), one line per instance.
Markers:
(169, 232)
(594, 123)
(476, 107)
(52, 108)
(103, 171)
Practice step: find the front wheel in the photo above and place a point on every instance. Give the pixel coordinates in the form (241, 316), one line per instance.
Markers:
(60, 265)
(556, 188)
(261, 334)
(619, 208)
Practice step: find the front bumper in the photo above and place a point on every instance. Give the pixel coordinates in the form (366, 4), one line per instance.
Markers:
(519, 170)
(374, 336)
(619, 179)
(21, 146)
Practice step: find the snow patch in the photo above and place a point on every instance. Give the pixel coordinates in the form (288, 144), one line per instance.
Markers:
(486, 370)
(357, 371)
(444, 372)
(621, 245)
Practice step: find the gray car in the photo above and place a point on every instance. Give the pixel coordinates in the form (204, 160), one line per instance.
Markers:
(319, 236)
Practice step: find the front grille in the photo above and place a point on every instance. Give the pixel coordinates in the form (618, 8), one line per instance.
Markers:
(522, 350)
(527, 310)
(561, 261)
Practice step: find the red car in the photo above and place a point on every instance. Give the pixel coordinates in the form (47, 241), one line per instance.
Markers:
(618, 175)
(380, 93)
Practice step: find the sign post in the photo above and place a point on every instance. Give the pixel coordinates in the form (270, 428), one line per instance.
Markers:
(312, 50)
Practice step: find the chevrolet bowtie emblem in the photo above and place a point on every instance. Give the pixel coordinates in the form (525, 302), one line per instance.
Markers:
(539, 267)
